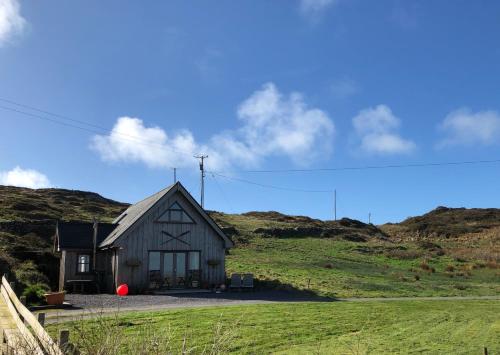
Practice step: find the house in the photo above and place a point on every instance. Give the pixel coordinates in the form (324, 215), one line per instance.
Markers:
(164, 241)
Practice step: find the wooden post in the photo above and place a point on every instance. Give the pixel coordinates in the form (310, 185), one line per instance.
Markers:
(63, 338)
(485, 350)
(41, 319)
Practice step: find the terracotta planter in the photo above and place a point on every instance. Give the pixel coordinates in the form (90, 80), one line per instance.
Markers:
(55, 298)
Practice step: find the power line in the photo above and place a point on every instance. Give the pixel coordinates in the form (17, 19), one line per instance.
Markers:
(393, 166)
(268, 186)
(100, 130)
(97, 129)
(223, 194)
(51, 113)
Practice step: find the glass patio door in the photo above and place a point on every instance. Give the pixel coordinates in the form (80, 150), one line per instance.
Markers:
(174, 269)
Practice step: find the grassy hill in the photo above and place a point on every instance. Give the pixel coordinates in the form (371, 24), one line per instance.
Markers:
(444, 252)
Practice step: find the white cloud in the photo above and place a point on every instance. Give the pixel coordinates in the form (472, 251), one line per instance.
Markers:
(463, 127)
(271, 125)
(24, 178)
(377, 129)
(11, 21)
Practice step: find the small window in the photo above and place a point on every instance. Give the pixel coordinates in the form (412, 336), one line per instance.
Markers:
(83, 263)
(175, 214)
(154, 261)
(194, 260)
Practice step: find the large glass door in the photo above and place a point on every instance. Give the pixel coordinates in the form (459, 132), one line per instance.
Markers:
(174, 269)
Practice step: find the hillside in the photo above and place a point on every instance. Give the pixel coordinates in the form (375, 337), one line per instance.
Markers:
(433, 254)
(444, 222)
(22, 204)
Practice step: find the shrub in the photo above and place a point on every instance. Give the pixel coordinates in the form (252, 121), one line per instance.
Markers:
(35, 294)
(28, 274)
(492, 265)
(417, 277)
(425, 266)
(403, 254)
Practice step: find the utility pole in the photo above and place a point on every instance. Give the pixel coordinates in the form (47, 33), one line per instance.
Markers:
(369, 218)
(202, 170)
(335, 204)
(175, 175)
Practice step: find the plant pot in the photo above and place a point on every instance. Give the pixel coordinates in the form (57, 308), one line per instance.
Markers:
(55, 298)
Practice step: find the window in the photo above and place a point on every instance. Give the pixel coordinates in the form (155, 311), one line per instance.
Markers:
(194, 260)
(154, 261)
(83, 265)
(175, 214)
(154, 269)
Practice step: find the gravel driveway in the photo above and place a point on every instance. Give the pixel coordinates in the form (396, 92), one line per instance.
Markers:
(90, 305)
(105, 301)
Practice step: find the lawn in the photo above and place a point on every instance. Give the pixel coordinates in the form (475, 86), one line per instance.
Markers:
(396, 327)
(339, 268)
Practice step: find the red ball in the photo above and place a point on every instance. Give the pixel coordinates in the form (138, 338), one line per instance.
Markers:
(122, 290)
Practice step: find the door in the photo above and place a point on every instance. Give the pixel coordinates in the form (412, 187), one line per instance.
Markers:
(174, 269)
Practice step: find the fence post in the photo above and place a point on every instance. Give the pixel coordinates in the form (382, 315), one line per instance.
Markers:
(485, 350)
(63, 338)
(41, 319)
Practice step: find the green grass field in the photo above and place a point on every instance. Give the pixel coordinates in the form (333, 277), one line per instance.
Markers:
(375, 269)
(396, 327)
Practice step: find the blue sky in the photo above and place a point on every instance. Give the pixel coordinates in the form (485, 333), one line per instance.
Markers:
(256, 85)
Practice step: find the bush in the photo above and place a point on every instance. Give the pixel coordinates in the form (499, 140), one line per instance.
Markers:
(492, 265)
(425, 266)
(35, 294)
(28, 274)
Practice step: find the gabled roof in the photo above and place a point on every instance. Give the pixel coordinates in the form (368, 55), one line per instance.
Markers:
(80, 235)
(128, 218)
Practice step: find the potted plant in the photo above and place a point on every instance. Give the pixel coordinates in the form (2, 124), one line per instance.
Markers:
(213, 262)
(55, 298)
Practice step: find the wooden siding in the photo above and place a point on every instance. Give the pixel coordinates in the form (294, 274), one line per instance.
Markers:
(146, 236)
(68, 268)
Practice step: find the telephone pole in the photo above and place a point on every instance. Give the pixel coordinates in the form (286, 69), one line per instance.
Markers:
(335, 204)
(202, 170)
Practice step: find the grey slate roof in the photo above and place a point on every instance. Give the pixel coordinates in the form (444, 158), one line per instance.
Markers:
(80, 235)
(132, 214)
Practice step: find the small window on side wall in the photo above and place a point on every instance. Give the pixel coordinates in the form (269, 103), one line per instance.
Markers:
(83, 265)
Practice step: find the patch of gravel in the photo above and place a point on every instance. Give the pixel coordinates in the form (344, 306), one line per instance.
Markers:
(106, 301)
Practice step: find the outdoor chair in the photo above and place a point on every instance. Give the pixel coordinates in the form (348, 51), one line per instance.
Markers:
(247, 282)
(155, 279)
(235, 281)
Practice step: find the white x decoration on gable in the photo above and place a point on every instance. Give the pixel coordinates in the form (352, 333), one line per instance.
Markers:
(175, 214)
